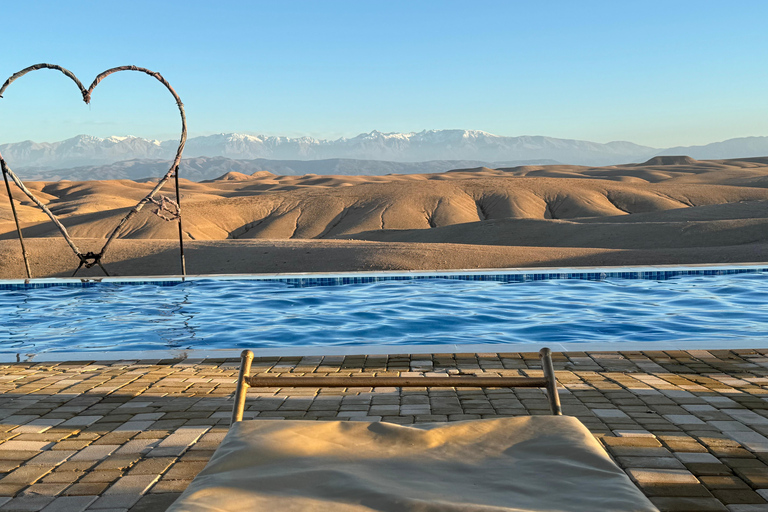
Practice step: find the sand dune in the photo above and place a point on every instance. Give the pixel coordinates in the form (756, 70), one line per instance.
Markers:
(667, 210)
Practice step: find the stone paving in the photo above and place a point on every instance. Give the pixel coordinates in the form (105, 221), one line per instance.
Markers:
(689, 427)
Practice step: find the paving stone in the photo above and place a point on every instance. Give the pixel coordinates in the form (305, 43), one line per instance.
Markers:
(662, 476)
(740, 462)
(134, 426)
(697, 457)
(51, 458)
(86, 489)
(631, 441)
(665, 504)
(730, 426)
(81, 421)
(16, 420)
(668, 482)
(71, 444)
(723, 452)
(152, 466)
(69, 504)
(25, 445)
(723, 482)
(103, 476)
(738, 497)
(633, 433)
(26, 475)
(95, 452)
(68, 477)
(757, 477)
(683, 419)
(36, 426)
(125, 492)
(137, 446)
(11, 489)
(705, 468)
(178, 442)
(650, 462)
(18, 455)
(132, 485)
(6, 466)
(184, 470)
(639, 451)
(155, 502)
(750, 440)
(81, 466)
(45, 489)
(115, 461)
(115, 437)
(154, 434)
(746, 416)
(27, 503)
(170, 486)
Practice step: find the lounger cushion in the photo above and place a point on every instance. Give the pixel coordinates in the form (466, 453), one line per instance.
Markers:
(532, 463)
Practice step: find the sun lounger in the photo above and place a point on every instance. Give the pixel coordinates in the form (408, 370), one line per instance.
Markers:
(522, 464)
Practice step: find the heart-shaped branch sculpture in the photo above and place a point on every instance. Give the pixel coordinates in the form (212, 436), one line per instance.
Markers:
(90, 259)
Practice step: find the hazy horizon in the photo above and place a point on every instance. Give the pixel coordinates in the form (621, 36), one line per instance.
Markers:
(299, 135)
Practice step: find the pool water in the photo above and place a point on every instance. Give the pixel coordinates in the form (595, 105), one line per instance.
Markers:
(230, 314)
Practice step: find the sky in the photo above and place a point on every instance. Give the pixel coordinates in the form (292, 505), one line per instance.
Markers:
(660, 74)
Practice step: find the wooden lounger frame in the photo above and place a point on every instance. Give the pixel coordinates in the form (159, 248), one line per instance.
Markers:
(245, 380)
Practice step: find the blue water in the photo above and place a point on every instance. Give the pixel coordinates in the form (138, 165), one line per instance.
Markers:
(258, 314)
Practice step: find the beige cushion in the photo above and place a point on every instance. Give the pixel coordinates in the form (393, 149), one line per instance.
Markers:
(531, 463)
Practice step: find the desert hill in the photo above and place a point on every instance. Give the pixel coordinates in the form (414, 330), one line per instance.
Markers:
(671, 209)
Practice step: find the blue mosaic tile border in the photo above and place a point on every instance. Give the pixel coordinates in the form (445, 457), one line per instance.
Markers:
(341, 279)
(660, 275)
(80, 284)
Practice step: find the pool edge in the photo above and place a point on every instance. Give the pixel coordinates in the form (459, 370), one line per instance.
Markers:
(318, 351)
(594, 271)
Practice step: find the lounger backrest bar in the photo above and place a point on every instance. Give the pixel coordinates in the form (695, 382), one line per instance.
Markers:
(245, 380)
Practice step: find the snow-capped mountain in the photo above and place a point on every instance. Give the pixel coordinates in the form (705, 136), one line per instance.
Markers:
(80, 150)
(85, 150)
(428, 145)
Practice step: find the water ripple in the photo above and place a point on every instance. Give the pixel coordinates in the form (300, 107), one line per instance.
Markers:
(254, 314)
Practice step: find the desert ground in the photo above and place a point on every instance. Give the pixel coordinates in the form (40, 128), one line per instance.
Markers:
(669, 210)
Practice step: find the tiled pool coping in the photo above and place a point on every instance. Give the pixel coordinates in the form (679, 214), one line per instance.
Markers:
(379, 350)
(655, 273)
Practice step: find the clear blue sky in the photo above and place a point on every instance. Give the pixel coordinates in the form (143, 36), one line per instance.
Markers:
(656, 73)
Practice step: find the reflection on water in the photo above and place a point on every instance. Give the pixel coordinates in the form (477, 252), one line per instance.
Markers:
(176, 335)
(253, 314)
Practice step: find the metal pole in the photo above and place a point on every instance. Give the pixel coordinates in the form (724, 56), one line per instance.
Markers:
(16, 219)
(244, 381)
(242, 385)
(181, 232)
(396, 382)
(549, 374)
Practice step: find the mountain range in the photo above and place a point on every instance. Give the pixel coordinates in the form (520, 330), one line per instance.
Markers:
(368, 153)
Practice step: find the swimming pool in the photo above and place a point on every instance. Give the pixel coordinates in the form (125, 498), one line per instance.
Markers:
(285, 313)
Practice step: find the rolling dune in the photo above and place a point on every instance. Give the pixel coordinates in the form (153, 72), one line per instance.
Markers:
(668, 210)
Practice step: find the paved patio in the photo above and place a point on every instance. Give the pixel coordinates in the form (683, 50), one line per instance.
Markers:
(689, 427)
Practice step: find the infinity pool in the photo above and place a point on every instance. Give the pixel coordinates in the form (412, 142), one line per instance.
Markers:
(401, 310)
